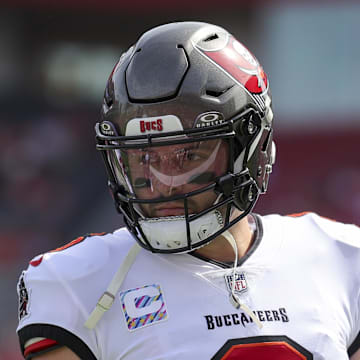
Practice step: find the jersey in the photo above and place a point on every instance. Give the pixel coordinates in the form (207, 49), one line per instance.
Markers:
(301, 279)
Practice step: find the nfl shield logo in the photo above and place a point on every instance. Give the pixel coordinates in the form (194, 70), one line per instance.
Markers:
(240, 282)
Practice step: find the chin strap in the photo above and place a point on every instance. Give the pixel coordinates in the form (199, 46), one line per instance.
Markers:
(234, 299)
(107, 299)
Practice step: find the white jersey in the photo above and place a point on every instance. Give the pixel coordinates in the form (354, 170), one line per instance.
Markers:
(301, 279)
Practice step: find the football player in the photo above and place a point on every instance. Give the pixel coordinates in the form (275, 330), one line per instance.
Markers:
(186, 135)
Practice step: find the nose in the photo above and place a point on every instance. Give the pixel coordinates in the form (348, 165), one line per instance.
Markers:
(168, 175)
(165, 175)
(168, 188)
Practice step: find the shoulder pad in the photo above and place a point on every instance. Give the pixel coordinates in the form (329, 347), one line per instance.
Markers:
(345, 233)
(81, 257)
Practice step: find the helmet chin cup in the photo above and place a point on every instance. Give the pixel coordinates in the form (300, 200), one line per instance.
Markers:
(169, 234)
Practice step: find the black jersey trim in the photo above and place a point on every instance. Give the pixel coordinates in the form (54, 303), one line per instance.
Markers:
(59, 334)
(259, 232)
(354, 346)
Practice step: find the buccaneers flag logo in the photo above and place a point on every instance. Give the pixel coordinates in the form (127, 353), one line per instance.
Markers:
(240, 64)
(23, 297)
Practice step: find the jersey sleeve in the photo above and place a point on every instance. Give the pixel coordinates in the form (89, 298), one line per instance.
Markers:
(55, 299)
(347, 241)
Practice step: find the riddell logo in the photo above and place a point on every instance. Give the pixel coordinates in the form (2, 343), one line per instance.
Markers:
(156, 125)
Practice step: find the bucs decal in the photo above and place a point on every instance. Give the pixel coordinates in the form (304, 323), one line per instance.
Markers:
(240, 64)
(151, 125)
(24, 299)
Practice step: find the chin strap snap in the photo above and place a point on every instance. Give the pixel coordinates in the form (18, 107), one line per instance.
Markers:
(234, 299)
(107, 299)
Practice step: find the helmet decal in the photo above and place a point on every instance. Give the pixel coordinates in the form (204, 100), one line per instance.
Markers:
(238, 62)
(210, 118)
(154, 125)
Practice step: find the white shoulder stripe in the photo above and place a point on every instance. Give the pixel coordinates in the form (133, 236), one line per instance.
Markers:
(33, 341)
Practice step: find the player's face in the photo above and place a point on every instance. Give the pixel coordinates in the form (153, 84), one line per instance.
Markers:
(164, 171)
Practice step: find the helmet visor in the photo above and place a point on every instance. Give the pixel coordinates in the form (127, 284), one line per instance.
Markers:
(160, 172)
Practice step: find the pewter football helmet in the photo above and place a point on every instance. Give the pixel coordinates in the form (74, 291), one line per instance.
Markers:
(186, 135)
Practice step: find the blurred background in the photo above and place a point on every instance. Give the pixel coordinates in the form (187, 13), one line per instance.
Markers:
(55, 57)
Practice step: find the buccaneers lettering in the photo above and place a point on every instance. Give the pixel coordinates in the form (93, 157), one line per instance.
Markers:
(217, 321)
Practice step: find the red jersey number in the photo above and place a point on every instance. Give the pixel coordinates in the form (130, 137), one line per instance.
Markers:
(262, 348)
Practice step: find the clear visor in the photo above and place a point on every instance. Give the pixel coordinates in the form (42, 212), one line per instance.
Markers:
(163, 171)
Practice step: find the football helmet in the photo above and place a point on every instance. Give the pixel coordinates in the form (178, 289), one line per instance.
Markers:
(186, 135)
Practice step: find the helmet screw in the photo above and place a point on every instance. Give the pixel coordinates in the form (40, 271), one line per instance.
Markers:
(268, 168)
(105, 126)
(251, 194)
(259, 171)
(251, 128)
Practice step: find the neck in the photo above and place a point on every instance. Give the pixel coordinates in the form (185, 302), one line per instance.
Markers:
(221, 250)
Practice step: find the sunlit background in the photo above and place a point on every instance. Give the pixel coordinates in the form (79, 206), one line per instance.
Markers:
(55, 57)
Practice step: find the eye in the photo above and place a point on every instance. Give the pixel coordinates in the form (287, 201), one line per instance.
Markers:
(195, 154)
(192, 155)
(185, 155)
